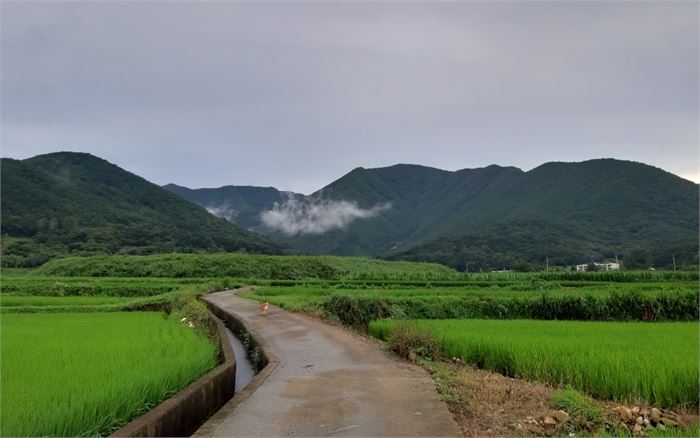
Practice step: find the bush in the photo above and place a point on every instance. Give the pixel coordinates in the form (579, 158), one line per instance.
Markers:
(355, 312)
(410, 342)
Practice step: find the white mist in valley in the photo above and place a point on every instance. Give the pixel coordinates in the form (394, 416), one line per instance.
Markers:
(223, 210)
(295, 216)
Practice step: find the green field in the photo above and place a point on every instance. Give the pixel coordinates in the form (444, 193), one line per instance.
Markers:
(31, 293)
(484, 318)
(86, 374)
(110, 365)
(50, 301)
(617, 359)
(45, 304)
(624, 361)
(33, 284)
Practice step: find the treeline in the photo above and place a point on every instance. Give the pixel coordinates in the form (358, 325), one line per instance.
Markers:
(523, 253)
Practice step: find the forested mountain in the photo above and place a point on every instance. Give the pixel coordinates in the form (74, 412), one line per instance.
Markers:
(76, 203)
(495, 216)
(486, 218)
(572, 213)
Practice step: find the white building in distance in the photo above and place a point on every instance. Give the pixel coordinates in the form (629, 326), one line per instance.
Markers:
(600, 266)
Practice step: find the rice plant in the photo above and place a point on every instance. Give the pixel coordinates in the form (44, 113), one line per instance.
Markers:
(75, 374)
(656, 362)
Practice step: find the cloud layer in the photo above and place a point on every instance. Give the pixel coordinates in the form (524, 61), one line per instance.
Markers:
(295, 217)
(293, 94)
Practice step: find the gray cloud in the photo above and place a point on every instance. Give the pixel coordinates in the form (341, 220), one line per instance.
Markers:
(315, 216)
(294, 95)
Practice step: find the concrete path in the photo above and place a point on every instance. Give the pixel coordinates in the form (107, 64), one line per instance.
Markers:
(328, 382)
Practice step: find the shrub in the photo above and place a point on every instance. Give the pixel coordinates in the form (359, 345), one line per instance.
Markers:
(355, 312)
(410, 342)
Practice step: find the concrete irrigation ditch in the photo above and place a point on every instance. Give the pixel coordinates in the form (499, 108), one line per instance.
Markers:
(197, 407)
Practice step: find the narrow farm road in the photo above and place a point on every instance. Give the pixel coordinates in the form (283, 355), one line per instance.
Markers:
(328, 382)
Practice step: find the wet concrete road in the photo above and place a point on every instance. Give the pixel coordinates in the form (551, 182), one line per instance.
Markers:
(329, 382)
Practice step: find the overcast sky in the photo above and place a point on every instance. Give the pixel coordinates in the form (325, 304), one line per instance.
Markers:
(294, 95)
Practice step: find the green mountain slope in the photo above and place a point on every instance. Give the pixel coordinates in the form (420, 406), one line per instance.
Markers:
(422, 199)
(572, 213)
(495, 216)
(76, 203)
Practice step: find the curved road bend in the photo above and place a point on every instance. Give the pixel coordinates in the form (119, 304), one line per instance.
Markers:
(329, 382)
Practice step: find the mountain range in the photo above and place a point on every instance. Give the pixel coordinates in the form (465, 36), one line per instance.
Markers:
(485, 218)
(491, 217)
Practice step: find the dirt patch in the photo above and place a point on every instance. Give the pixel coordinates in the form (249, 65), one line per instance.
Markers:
(489, 404)
(484, 403)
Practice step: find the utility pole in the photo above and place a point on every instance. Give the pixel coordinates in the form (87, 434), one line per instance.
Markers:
(546, 263)
(674, 262)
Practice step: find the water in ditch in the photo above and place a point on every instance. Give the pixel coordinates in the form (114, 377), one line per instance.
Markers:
(244, 370)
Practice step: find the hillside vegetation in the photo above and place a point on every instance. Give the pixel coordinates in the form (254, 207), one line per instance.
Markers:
(494, 217)
(232, 265)
(74, 203)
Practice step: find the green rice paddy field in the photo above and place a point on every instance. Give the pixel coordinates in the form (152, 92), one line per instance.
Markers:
(31, 284)
(79, 374)
(89, 371)
(49, 301)
(655, 362)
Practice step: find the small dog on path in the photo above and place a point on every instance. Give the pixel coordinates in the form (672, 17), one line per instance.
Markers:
(263, 308)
